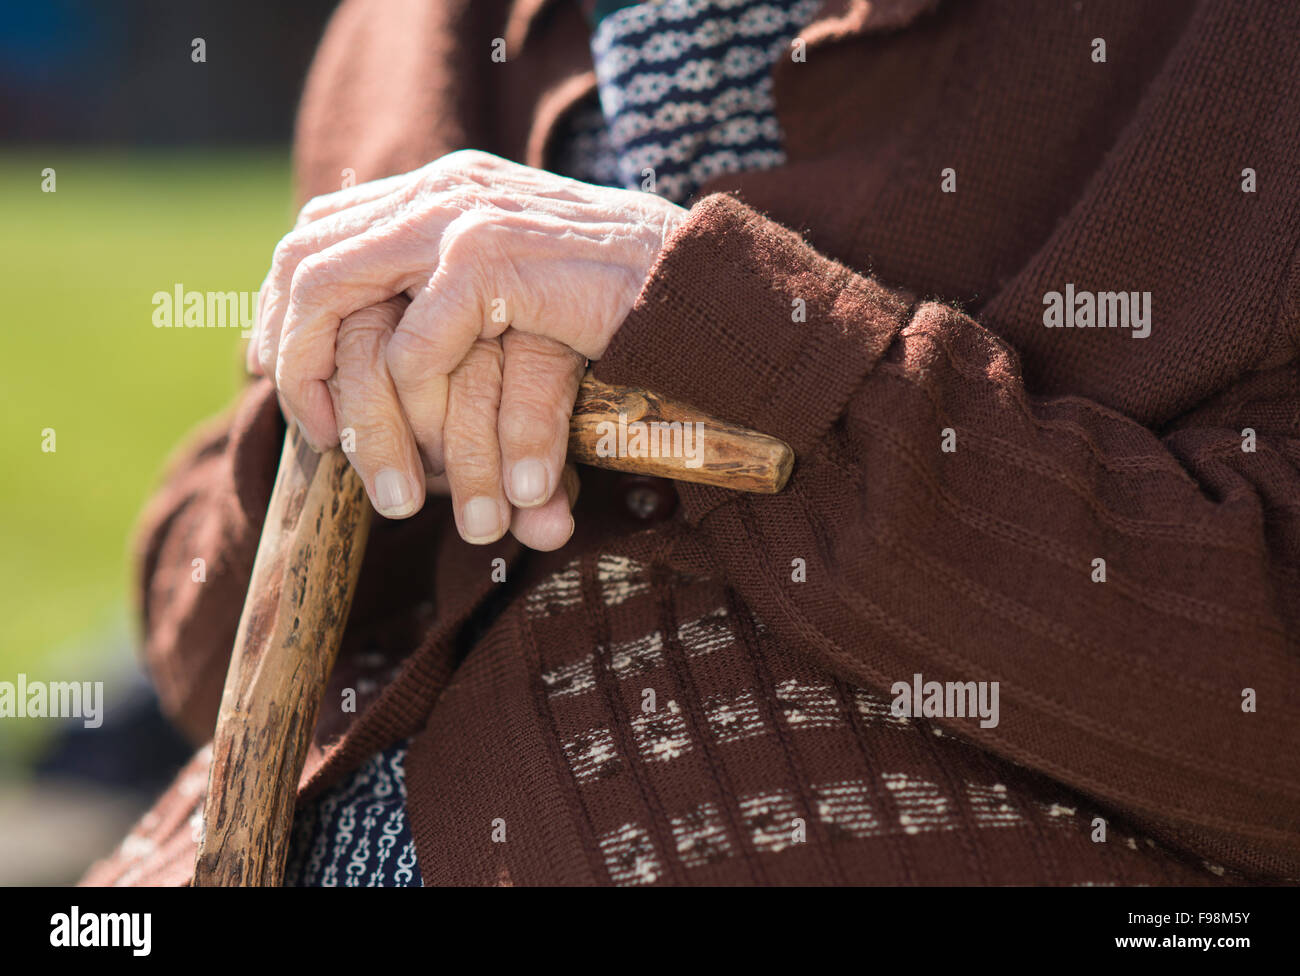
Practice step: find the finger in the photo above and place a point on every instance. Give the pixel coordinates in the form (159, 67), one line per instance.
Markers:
(296, 247)
(471, 452)
(549, 526)
(436, 178)
(315, 209)
(376, 437)
(284, 410)
(421, 383)
(444, 320)
(348, 276)
(349, 196)
(538, 387)
(350, 212)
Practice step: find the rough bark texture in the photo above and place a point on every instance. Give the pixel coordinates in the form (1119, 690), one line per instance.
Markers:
(298, 600)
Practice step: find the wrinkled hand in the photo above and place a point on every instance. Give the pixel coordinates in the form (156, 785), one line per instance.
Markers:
(507, 279)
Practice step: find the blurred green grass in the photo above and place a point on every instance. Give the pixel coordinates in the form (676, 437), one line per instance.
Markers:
(78, 269)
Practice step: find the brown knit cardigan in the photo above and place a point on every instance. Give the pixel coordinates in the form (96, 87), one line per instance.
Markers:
(771, 754)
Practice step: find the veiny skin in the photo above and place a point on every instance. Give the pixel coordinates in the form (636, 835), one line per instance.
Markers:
(446, 316)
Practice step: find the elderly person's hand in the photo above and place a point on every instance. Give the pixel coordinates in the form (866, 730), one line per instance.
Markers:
(369, 418)
(515, 277)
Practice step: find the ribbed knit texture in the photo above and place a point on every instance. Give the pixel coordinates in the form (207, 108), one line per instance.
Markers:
(770, 754)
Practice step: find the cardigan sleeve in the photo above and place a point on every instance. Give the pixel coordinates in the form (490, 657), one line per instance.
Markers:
(1136, 595)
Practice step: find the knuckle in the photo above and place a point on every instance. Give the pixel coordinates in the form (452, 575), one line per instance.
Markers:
(534, 415)
(465, 253)
(468, 158)
(307, 268)
(475, 393)
(460, 244)
(290, 250)
(480, 371)
(374, 439)
(475, 397)
(360, 340)
(531, 351)
(406, 355)
(433, 180)
(381, 316)
(468, 458)
(313, 209)
(312, 272)
(548, 367)
(531, 422)
(474, 201)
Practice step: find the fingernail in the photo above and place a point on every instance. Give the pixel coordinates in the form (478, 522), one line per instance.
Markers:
(393, 495)
(528, 482)
(481, 519)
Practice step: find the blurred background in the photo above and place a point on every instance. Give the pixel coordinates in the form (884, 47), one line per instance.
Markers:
(168, 171)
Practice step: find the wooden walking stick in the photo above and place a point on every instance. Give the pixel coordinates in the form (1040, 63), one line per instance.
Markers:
(301, 589)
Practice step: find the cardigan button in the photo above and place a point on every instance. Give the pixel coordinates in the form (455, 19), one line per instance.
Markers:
(647, 499)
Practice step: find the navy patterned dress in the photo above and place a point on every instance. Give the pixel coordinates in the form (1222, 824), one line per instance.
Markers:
(356, 835)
